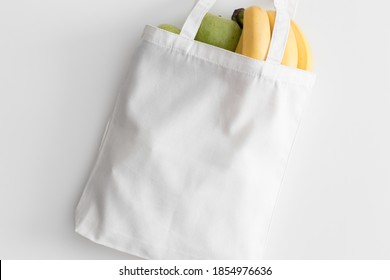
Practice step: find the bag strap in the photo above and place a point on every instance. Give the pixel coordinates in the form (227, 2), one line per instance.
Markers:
(285, 10)
(280, 32)
(192, 24)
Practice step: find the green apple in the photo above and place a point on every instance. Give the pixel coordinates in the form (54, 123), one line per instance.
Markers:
(170, 28)
(219, 32)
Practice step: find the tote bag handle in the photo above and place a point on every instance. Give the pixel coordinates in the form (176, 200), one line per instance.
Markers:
(285, 10)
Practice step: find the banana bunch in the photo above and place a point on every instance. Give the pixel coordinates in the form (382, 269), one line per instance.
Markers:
(249, 33)
(257, 25)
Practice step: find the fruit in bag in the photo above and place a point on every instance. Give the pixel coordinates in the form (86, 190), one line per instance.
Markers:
(256, 33)
(214, 30)
(297, 54)
(170, 28)
(220, 32)
(305, 55)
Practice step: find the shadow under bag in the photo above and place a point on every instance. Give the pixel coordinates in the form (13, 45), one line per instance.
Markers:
(196, 148)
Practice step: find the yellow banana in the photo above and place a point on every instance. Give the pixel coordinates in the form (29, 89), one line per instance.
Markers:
(239, 46)
(256, 34)
(290, 57)
(305, 55)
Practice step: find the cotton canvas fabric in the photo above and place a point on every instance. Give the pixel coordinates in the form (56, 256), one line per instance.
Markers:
(195, 150)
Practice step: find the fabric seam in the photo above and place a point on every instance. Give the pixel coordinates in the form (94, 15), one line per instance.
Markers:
(252, 74)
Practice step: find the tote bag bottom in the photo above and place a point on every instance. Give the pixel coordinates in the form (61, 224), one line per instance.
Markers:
(110, 239)
(128, 244)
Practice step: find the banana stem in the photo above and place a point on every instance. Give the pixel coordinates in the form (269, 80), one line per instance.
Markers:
(238, 16)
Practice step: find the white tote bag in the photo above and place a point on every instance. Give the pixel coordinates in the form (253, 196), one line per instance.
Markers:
(196, 148)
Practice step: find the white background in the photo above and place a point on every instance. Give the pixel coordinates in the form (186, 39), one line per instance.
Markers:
(63, 61)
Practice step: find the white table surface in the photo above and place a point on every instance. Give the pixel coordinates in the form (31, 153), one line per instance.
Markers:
(62, 62)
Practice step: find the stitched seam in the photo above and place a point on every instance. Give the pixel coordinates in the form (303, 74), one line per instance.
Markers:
(253, 74)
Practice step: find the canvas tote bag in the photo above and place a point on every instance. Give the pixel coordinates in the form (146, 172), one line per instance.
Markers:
(196, 148)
